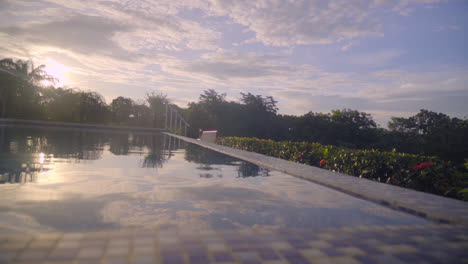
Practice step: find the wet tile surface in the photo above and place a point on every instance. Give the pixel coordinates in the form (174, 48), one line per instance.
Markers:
(433, 243)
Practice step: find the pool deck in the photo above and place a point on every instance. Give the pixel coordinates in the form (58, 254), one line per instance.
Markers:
(435, 243)
(443, 240)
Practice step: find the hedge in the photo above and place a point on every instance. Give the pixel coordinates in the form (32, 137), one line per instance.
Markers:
(422, 173)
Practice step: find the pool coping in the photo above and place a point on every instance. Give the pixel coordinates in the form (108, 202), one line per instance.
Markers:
(430, 206)
(71, 125)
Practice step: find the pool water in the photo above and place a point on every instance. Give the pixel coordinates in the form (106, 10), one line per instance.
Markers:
(59, 180)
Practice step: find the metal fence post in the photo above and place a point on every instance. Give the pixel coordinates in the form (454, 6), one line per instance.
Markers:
(165, 119)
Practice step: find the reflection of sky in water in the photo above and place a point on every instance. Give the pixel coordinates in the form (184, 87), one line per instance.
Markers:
(138, 183)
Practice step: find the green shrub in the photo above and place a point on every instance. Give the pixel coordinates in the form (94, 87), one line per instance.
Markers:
(422, 173)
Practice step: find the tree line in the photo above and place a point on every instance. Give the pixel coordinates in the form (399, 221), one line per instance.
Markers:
(426, 133)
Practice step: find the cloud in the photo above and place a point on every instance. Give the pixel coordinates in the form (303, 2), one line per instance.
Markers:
(348, 45)
(225, 66)
(120, 28)
(285, 23)
(387, 93)
(442, 28)
(79, 33)
(379, 58)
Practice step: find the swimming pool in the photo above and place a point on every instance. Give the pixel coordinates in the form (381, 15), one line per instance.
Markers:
(74, 180)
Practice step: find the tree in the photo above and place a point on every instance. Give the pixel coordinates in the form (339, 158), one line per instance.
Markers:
(439, 134)
(61, 104)
(93, 108)
(258, 102)
(141, 115)
(157, 103)
(19, 81)
(121, 109)
(206, 113)
(211, 96)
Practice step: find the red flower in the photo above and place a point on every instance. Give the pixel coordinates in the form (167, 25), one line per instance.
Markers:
(299, 156)
(322, 162)
(422, 166)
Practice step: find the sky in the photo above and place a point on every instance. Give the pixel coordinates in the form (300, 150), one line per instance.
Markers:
(384, 57)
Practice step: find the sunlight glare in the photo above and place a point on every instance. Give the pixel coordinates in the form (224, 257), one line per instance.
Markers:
(56, 70)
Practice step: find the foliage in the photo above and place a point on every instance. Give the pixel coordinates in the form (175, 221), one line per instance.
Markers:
(437, 133)
(122, 109)
(441, 177)
(156, 102)
(19, 97)
(254, 115)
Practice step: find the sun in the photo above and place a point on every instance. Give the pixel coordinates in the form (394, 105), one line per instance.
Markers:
(56, 70)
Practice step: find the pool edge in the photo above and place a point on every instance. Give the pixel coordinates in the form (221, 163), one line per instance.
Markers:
(433, 207)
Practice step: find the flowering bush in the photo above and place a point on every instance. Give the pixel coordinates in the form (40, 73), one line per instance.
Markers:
(422, 166)
(427, 174)
(322, 162)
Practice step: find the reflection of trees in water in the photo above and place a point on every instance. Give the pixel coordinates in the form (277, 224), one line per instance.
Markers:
(206, 158)
(79, 144)
(161, 149)
(155, 157)
(20, 148)
(18, 164)
(119, 144)
(247, 169)
(210, 175)
(201, 155)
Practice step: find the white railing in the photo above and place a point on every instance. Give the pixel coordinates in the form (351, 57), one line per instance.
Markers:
(174, 120)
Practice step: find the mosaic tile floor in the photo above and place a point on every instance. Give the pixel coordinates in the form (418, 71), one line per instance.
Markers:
(380, 244)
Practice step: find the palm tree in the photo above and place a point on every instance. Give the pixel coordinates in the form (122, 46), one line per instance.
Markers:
(19, 79)
(156, 103)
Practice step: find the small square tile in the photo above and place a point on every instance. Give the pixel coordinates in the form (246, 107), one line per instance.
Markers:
(33, 254)
(216, 247)
(6, 257)
(351, 251)
(222, 257)
(63, 253)
(38, 244)
(280, 245)
(119, 243)
(172, 259)
(115, 261)
(247, 255)
(13, 245)
(312, 253)
(73, 236)
(90, 253)
(319, 244)
(117, 251)
(391, 249)
(344, 260)
(268, 254)
(68, 244)
(144, 250)
(198, 259)
(366, 260)
(144, 260)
